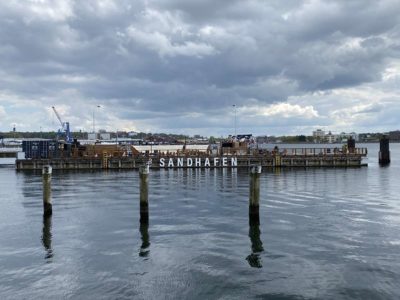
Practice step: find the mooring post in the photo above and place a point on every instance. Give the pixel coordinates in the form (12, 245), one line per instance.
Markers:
(46, 175)
(254, 195)
(144, 194)
(384, 152)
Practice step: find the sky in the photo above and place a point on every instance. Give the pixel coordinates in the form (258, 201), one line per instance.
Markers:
(178, 66)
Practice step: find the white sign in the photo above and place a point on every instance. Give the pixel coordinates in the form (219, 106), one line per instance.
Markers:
(197, 162)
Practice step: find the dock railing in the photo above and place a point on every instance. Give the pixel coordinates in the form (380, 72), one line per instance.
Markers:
(300, 152)
(312, 151)
(322, 151)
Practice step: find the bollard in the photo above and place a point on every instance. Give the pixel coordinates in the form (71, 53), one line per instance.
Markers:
(384, 152)
(47, 207)
(144, 194)
(254, 195)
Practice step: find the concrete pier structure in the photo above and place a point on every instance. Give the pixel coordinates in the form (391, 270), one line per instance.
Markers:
(384, 151)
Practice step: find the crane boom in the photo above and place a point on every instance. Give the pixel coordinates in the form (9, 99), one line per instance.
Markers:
(58, 116)
(64, 126)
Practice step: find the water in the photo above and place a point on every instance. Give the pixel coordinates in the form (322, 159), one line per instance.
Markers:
(324, 234)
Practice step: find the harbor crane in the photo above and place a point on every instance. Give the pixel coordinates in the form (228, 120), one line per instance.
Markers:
(64, 128)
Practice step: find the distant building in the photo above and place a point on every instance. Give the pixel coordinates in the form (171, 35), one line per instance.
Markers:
(343, 137)
(318, 135)
(262, 139)
(331, 138)
(105, 136)
(92, 136)
(132, 133)
(394, 135)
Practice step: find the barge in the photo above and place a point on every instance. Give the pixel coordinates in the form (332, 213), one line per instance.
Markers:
(231, 154)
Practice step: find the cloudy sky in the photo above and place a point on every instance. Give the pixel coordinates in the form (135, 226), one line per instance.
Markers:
(179, 66)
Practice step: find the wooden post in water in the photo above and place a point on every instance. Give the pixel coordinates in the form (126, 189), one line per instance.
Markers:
(144, 194)
(46, 175)
(254, 195)
(384, 152)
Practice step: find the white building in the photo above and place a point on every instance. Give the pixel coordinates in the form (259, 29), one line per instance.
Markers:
(92, 136)
(105, 136)
(318, 135)
(331, 138)
(345, 136)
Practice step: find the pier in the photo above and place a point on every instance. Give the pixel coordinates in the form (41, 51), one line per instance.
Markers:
(291, 157)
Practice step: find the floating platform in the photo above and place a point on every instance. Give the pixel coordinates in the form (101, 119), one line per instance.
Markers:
(299, 157)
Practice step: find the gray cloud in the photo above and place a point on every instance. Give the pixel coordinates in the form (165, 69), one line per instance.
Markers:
(152, 65)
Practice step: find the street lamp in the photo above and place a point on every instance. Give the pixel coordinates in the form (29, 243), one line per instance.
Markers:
(94, 127)
(234, 107)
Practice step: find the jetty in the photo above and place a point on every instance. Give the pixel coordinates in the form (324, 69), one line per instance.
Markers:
(292, 157)
(231, 153)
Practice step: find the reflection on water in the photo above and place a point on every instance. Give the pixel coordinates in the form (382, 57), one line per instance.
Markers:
(254, 259)
(145, 237)
(327, 234)
(46, 236)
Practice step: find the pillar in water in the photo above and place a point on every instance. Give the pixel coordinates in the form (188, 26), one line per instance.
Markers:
(144, 194)
(254, 194)
(46, 176)
(384, 152)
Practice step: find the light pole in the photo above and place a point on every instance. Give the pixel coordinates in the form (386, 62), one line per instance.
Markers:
(94, 127)
(234, 107)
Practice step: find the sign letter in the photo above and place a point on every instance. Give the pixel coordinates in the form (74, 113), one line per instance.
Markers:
(207, 162)
(189, 162)
(170, 163)
(180, 162)
(198, 162)
(234, 162)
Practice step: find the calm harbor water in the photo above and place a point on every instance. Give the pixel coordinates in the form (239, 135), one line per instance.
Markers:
(323, 234)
